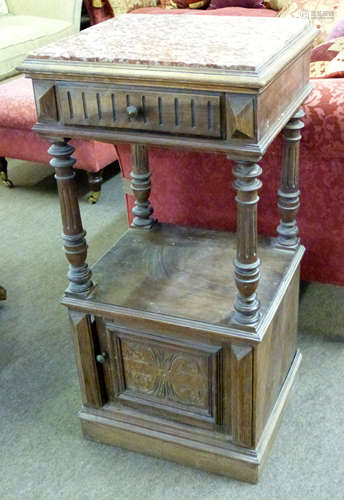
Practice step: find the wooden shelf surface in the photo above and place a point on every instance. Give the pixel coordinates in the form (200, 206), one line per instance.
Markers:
(182, 272)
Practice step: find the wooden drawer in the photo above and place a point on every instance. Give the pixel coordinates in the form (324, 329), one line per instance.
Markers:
(173, 112)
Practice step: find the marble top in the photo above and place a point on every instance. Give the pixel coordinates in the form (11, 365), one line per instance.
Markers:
(222, 43)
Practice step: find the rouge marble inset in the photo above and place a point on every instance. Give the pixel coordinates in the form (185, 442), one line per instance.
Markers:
(226, 43)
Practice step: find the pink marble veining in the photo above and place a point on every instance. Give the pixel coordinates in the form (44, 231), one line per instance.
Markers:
(226, 43)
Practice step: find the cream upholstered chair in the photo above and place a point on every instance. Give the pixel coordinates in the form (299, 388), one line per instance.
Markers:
(24, 26)
(28, 24)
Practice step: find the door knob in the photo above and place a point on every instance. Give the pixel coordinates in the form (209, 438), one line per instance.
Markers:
(132, 111)
(101, 358)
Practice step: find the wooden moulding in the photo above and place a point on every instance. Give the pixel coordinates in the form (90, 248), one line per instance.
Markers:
(164, 249)
(84, 348)
(169, 111)
(245, 465)
(204, 77)
(234, 120)
(273, 357)
(158, 385)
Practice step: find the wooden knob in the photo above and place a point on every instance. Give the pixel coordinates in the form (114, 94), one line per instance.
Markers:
(132, 111)
(101, 358)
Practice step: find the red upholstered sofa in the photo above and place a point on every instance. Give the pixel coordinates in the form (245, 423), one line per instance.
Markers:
(17, 117)
(17, 140)
(198, 188)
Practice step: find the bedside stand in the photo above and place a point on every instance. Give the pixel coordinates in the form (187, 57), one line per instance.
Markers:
(181, 353)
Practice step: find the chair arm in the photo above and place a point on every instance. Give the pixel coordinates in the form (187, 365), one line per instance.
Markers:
(66, 10)
(324, 125)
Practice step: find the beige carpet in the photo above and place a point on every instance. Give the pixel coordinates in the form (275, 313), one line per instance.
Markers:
(43, 454)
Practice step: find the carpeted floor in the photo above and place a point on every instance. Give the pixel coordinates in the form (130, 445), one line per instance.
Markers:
(43, 454)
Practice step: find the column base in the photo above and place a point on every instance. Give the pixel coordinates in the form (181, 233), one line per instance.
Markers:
(143, 224)
(277, 243)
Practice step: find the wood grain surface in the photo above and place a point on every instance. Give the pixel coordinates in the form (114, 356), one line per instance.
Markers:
(179, 271)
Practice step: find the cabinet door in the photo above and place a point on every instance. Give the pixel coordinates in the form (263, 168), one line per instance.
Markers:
(161, 375)
(86, 350)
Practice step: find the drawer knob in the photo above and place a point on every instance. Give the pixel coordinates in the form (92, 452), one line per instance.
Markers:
(132, 112)
(101, 358)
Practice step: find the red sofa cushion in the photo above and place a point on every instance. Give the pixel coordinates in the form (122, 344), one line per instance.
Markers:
(248, 4)
(17, 107)
(17, 140)
(327, 59)
(29, 146)
(185, 4)
(227, 11)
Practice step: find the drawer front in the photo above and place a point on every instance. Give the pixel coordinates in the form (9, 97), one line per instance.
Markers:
(173, 112)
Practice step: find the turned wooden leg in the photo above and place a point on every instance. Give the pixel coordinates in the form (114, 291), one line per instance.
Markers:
(247, 263)
(74, 235)
(141, 186)
(95, 180)
(288, 193)
(3, 173)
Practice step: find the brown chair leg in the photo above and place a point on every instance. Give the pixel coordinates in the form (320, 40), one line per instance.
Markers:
(3, 173)
(2, 293)
(95, 180)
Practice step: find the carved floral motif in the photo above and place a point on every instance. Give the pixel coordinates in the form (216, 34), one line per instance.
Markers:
(166, 373)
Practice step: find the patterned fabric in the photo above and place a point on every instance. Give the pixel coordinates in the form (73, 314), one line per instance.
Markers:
(248, 4)
(3, 8)
(322, 14)
(191, 188)
(327, 60)
(122, 6)
(98, 10)
(337, 30)
(17, 108)
(277, 4)
(184, 4)
(102, 14)
(227, 11)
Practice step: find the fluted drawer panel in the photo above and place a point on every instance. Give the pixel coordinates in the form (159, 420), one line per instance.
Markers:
(173, 112)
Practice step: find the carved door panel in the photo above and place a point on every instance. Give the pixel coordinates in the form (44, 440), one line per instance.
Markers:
(167, 377)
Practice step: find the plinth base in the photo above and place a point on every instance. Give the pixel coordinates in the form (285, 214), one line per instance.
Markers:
(153, 436)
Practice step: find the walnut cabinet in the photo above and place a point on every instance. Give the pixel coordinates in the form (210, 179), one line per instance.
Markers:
(186, 347)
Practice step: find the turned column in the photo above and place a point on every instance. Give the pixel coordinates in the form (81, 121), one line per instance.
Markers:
(75, 245)
(246, 262)
(141, 186)
(288, 193)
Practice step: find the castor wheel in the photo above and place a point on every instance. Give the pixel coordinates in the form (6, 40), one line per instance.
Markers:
(94, 197)
(5, 180)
